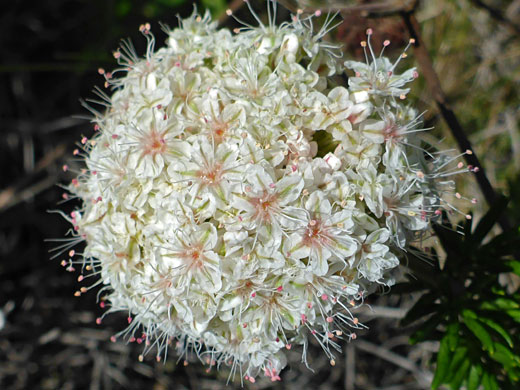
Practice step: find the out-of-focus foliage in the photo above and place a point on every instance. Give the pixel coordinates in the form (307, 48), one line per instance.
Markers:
(156, 8)
(466, 308)
(478, 60)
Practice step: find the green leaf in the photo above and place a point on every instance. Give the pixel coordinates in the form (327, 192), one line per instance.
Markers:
(452, 334)
(500, 304)
(505, 303)
(514, 314)
(515, 266)
(504, 356)
(479, 331)
(473, 378)
(497, 328)
(443, 362)
(460, 374)
(458, 358)
(489, 382)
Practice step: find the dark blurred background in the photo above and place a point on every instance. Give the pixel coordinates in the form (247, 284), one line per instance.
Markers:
(51, 50)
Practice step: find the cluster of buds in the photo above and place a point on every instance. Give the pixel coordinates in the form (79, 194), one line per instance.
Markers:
(237, 202)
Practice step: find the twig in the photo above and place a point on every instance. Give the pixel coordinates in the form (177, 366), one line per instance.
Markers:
(434, 84)
(382, 312)
(394, 358)
(497, 15)
(350, 367)
(24, 188)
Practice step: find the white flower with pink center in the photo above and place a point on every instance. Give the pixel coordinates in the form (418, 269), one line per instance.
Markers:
(326, 237)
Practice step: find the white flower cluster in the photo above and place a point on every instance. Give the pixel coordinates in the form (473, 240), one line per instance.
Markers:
(235, 197)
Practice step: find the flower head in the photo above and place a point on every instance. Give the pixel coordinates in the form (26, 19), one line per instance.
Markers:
(215, 213)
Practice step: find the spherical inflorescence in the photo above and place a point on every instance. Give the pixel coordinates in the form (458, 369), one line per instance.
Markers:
(235, 197)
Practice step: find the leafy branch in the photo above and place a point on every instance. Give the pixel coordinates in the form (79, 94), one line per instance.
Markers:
(465, 308)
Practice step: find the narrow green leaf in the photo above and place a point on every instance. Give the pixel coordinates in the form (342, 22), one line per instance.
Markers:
(515, 266)
(452, 335)
(473, 378)
(443, 362)
(480, 332)
(514, 374)
(489, 382)
(458, 358)
(514, 314)
(460, 374)
(504, 356)
(497, 328)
